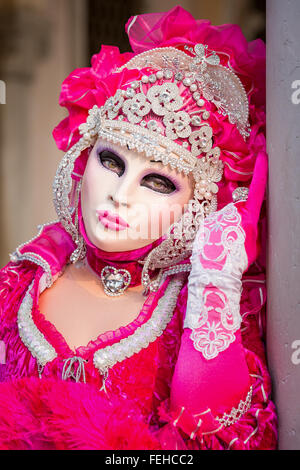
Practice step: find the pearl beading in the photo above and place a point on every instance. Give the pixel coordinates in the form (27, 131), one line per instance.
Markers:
(30, 335)
(44, 352)
(240, 194)
(164, 100)
(216, 82)
(184, 229)
(140, 139)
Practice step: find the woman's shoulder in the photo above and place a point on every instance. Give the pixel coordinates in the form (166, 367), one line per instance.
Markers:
(50, 249)
(14, 280)
(46, 255)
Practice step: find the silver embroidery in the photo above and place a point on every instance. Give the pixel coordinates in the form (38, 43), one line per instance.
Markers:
(240, 194)
(30, 335)
(17, 256)
(203, 74)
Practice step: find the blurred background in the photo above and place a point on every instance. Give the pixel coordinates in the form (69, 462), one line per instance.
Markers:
(41, 42)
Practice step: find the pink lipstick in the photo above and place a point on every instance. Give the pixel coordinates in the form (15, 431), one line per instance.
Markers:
(112, 221)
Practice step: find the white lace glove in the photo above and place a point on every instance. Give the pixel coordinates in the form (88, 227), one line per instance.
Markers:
(223, 248)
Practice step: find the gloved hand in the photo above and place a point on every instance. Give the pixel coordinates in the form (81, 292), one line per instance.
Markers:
(211, 370)
(224, 247)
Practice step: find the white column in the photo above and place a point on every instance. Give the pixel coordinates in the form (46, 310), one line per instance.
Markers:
(283, 134)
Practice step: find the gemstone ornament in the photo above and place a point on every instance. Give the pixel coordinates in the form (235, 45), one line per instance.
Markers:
(115, 281)
(240, 194)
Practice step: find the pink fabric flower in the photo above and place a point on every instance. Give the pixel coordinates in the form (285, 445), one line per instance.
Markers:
(84, 88)
(177, 27)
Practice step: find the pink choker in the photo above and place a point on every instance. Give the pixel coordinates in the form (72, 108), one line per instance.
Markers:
(116, 270)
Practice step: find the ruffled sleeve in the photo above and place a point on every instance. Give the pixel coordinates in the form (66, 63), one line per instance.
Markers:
(14, 279)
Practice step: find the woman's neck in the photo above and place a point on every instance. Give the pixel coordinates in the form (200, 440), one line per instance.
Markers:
(86, 278)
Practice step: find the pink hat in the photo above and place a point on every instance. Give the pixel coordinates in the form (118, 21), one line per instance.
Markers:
(89, 86)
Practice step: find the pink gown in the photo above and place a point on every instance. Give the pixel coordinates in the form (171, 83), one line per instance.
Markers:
(173, 395)
(186, 373)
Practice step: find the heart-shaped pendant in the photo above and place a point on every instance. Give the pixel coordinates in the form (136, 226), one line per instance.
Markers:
(115, 281)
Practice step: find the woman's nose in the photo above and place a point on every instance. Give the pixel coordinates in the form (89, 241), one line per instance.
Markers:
(122, 192)
(116, 201)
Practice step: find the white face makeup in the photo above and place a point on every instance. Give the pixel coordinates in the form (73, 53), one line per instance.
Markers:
(128, 200)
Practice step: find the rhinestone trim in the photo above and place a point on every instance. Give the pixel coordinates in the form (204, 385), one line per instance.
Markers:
(62, 186)
(110, 278)
(144, 141)
(30, 335)
(176, 269)
(17, 256)
(216, 82)
(236, 413)
(240, 194)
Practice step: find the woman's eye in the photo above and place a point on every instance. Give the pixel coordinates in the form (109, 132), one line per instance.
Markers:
(111, 161)
(158, 183)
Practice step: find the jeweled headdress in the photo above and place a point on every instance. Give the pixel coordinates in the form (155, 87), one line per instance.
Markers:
(172, 103)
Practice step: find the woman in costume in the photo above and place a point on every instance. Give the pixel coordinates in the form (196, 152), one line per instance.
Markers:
(136, 321)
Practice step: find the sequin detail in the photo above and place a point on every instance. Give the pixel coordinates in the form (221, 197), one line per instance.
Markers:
(236, 413)
(30, 335)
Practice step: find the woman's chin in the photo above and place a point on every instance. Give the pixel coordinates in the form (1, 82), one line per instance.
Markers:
(112, 241)
(121, 245)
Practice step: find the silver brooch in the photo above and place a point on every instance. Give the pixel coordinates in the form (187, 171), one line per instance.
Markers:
(240, 194)
(115, 281)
